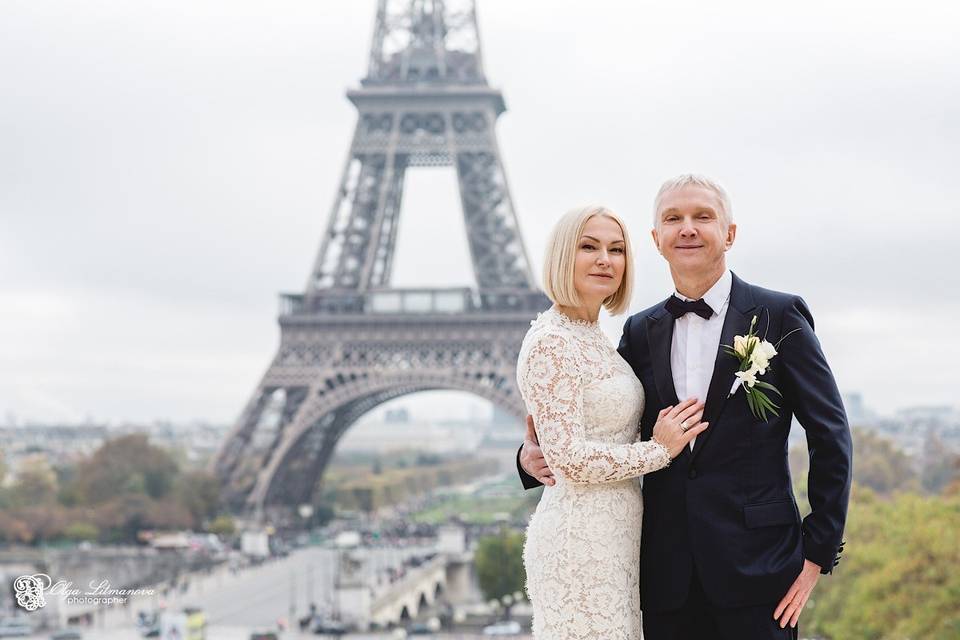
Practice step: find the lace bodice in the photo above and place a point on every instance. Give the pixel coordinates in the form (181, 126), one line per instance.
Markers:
(585, 402)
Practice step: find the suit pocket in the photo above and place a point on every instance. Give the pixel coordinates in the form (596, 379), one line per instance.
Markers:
(769, 514)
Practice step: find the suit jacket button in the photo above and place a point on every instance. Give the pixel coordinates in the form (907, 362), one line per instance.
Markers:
(692, 474)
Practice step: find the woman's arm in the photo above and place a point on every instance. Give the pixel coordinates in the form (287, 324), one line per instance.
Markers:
(552, 386)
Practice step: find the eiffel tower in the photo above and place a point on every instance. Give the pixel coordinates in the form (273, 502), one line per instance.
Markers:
(350, 341)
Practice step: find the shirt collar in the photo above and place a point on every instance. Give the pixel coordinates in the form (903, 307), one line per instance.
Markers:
(718, 294)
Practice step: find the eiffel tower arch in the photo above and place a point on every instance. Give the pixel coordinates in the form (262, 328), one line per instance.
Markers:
(350, 341)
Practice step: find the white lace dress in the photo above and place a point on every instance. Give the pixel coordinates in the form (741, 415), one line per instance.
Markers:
(582, 552)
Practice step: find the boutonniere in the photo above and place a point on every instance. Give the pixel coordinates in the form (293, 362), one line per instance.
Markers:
(755, 354)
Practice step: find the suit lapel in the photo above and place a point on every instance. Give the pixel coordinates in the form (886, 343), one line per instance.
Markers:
(660, 339)
(740, 311)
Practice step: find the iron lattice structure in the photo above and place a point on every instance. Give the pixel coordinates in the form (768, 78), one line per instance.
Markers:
(350, 341)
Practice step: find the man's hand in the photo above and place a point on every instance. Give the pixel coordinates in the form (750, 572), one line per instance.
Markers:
(788, 611)
(531, 458)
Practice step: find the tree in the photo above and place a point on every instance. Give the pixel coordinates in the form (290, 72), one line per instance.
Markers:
(222, 526)
(880, 465)
(941, 466)
(499, 564)
(877, 464)
(36, 484)
(81, 531)
(199, 492)
(67, 480)
(900, 574)
(13, 529)
(126, 465)
(121, 518)
(44, 522)
(168, 514)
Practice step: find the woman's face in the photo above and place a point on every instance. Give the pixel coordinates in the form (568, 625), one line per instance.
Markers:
(601, 260)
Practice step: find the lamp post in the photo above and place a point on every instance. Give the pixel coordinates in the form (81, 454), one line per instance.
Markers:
(494, 605)
(507, 601)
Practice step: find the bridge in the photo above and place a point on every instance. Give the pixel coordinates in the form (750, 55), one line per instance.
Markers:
(442, 578)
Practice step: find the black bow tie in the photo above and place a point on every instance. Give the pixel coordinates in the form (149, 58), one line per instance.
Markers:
(678, 308)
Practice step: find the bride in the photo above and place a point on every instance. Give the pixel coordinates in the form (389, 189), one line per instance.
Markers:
(582, 551)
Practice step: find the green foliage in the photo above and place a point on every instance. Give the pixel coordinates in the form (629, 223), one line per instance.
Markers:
(199, 492)
(32, 524)
(127, 465)
(121, 518)
(81, 531)
(367, 491)
(880, 465)
(877, 464)
(222, 526)
(69, 495)
(900, 574)
(475, 510)
(499, 564)
(126, 486)
(36, 485)
(941, 466)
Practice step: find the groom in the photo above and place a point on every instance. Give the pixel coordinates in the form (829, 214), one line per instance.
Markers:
(725, 553)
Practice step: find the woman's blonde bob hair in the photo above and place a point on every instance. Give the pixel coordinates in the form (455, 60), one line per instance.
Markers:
(560, 258)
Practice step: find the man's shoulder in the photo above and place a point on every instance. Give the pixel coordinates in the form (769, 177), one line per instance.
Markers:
(771, 297)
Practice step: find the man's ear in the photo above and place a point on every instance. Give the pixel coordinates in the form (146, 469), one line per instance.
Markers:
(656, 239)
(731, 235)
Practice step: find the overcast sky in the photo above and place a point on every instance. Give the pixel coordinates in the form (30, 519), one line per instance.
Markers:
(166, 168)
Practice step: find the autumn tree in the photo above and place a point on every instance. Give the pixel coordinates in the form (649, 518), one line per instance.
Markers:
(880, 465)
(126, 465)
(199, 493)
(35, 485)
(941, 465)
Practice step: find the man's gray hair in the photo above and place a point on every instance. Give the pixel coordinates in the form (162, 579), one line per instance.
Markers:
(694, 180)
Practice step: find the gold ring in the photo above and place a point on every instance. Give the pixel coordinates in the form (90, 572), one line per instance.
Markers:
(683, 425)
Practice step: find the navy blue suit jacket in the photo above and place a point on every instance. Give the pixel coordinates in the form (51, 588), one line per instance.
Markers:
(727, 508)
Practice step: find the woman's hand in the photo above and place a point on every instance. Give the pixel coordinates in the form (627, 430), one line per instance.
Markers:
(677, 426)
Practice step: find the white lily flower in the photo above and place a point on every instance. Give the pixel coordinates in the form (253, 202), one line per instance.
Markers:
(768, 349)
(760, 358)
(748, 377)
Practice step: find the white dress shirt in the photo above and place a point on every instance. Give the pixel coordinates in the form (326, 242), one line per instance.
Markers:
(693, 351)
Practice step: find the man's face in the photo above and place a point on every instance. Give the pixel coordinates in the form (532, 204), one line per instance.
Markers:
(690, 231)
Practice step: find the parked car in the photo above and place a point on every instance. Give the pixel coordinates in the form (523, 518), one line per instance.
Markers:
(66, 634)
(419, 629)
(13, 628)
(323, 626)
(505, 628)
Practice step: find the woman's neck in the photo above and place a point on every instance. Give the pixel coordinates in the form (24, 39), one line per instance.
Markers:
(587, 313)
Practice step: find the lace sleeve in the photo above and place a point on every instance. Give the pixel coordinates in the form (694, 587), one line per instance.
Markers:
(550, 380)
